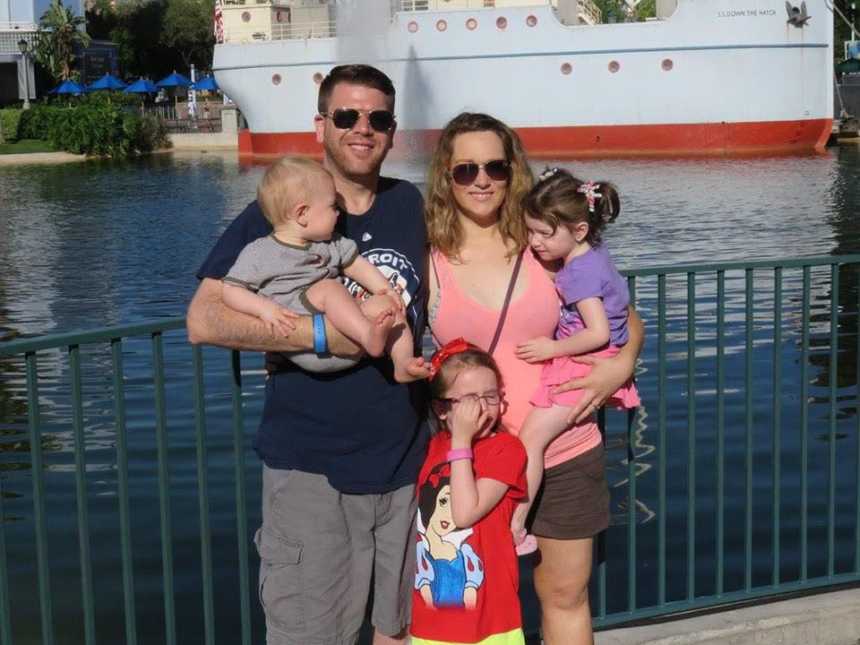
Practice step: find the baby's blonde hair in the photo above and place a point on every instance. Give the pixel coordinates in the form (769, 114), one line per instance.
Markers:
(286, 182)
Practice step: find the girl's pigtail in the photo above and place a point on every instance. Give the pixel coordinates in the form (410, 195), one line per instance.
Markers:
(607, 207)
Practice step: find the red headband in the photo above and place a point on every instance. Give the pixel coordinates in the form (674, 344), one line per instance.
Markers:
(456, 346)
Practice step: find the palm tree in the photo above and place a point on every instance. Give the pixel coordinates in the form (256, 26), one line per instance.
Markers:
(60, 31)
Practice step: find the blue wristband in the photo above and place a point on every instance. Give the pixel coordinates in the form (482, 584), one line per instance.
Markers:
(320, 340)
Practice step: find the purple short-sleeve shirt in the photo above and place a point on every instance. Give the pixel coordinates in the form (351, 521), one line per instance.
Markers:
(593, 275)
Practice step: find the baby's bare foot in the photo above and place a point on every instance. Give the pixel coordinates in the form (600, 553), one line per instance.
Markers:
(377, 334)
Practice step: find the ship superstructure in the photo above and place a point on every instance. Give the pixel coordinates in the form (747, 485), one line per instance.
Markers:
(705, 76)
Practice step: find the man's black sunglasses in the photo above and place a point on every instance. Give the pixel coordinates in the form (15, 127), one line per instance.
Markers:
(465, 174)
(346, 118)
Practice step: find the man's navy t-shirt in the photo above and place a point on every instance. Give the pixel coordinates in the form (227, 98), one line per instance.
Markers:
(360, 428)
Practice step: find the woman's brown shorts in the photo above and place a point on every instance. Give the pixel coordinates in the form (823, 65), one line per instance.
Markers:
(573, 502)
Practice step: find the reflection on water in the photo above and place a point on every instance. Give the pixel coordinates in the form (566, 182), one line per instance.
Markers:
(104, 243)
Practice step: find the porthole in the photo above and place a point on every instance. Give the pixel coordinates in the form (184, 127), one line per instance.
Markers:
(502, 23)
(318, 78)
(614, 66)
(246, 16)
(566, 68)
(441, 25)
(471, 24)
(667, 64)
(531, 21)
(412, 26)
(276, 79)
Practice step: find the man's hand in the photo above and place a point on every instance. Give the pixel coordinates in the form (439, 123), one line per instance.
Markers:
(536, 350)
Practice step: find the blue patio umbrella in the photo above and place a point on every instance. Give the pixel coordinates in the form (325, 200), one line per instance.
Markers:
(206, 83)
(68, 87)
(173, 80)
(141, 86)
(106, 82)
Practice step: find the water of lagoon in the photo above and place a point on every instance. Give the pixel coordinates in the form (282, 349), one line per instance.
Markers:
(104, 243)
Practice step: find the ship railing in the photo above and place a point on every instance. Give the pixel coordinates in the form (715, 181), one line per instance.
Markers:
(283, 31)
(737, 479)
(411, 5)
(9, 39)
(588, 10)
(18, 26)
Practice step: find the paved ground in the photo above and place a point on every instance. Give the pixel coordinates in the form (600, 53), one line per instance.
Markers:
(39, 158)
(824, 619)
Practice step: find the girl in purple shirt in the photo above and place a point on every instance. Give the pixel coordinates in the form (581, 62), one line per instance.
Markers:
(565, 217)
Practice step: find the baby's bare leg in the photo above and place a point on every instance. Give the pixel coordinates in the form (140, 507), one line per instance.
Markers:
(541, 426)
(332, 298)
(407, 367)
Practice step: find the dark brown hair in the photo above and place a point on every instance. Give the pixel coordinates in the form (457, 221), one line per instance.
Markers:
(558, 198)
(444, 231)
(365, 75)
(453, 365)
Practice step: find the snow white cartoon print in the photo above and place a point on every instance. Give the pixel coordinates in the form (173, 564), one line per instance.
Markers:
(449, 571)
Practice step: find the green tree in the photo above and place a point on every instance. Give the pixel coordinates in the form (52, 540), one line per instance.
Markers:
(621, 11)
(102, 18)
(60, 31)
(188, 29)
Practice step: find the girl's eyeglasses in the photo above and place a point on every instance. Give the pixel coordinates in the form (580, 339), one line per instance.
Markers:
(346, 118)
(493, 398)
(465, 174)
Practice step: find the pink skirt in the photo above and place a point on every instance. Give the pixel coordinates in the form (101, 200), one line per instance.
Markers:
(562, 369)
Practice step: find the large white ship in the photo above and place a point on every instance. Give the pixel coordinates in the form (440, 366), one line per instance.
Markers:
(705, 76)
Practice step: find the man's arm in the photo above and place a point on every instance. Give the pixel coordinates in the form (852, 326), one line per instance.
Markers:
(212, 322)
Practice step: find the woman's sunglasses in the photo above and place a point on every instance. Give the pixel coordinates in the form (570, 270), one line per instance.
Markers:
(346, 118)
(465, 174)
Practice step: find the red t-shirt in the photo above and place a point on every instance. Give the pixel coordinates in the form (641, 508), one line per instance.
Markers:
(471, 575)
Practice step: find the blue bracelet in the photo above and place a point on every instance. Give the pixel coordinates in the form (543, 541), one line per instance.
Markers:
(320, 340)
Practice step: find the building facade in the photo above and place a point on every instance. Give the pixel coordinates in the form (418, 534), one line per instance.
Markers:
(18, 21)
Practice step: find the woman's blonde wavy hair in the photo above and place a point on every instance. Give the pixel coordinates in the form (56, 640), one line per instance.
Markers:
(444, 231)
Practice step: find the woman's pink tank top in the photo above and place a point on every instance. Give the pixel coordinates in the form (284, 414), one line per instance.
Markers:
(534, 312)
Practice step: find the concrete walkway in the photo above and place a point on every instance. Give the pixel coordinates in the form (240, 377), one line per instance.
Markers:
(205, 141)
(824, 619)
(39, 158)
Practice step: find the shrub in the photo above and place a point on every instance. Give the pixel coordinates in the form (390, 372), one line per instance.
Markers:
(36, 122)
(95, 126)
(10, 120)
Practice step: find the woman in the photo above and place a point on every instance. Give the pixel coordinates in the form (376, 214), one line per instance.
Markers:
(486, 286)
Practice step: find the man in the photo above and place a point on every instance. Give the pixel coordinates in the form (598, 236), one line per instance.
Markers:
(341, 450)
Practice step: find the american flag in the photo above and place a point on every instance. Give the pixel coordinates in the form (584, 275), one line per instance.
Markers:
(219, 23)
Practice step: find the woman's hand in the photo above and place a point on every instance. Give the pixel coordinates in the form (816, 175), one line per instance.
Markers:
(606, 376)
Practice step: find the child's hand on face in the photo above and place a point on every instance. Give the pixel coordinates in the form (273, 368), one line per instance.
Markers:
(466, 420)
(278, 319)
(536, 350)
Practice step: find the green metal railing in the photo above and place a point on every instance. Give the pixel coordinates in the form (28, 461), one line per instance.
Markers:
(741, 359)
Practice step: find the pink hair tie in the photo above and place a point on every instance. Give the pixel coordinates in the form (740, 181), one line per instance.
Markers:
(589, 189)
